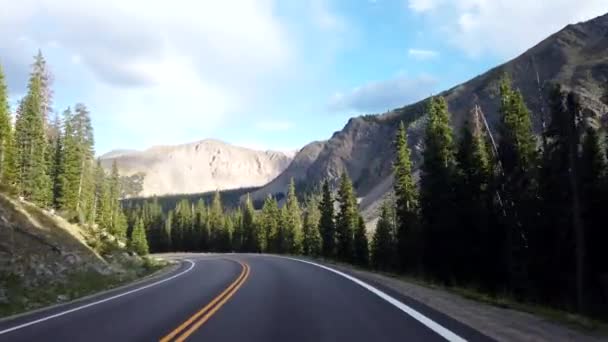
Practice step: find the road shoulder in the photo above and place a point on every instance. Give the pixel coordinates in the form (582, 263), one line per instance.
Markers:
(166, 271)
(501, 324)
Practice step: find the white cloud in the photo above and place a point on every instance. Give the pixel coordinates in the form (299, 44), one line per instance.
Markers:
(384, 95)
(274, 126)
(325, 18)
(117, 39)
(422, 54)
(158, 72)
(503, 28)
(423, 5)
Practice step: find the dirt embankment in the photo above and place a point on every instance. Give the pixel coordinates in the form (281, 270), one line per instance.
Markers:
(46, 260)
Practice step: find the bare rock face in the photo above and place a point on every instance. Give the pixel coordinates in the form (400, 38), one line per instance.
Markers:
(576, 57)
(202, 166)
(298, 170)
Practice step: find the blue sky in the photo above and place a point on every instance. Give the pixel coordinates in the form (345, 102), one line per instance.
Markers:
(267, 74)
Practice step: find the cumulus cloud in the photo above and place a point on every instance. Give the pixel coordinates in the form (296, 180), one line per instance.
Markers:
(421, 54)
(384, 95)
(503, 28)
(147, 67)
(116, 39)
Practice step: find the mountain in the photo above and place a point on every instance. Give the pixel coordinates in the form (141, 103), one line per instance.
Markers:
(576, 57)
(206, 165)
(297, 170)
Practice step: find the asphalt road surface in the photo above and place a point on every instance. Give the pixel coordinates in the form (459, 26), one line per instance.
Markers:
(241, 297)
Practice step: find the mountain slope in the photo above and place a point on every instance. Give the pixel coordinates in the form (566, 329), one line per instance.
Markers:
(202, 166)
(576, 57)
(45, 260)
(297, 169)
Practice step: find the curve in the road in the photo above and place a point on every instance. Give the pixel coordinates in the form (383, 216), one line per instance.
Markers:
(206, 312)
(445, 333)
(78, 308)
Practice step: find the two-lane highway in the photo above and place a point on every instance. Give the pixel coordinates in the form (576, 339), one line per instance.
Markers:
(242, 298)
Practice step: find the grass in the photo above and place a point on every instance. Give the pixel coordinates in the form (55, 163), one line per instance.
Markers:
(76, 285)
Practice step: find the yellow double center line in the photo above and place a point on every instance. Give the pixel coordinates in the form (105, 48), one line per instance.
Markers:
(205, 313)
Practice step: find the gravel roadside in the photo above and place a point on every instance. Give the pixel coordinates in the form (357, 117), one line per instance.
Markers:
(501, 324)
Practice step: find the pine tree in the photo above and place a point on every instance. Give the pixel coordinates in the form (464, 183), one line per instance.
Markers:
(103, 202)
(281, 236)
(346, 219)
(593, 191)
(70, 166)
(519, 182)
(474, 197)
(406, 195)
(226, 242)
(7, 167)
(83, 130)
(201, 225)
(33, 181)
(251, 237)
(41, 70)
(383, 242)
(152, 214)
(55, 162)
(10, 172)
(139, 243)
(120, 225)
(77, 180)
(182, 226)
(326, 222)
(167, 232)
(238, 232)
(311, 242)
(361, 244)
(272, 233)
(114, 194)
(293, 223)
(216, 223)
(437, 187)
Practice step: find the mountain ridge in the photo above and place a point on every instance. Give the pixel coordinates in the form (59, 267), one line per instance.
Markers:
(575, 57)
(200, 166)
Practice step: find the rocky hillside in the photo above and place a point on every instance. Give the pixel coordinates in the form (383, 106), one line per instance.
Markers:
(297, 169)
(207, 165)
(576, 57)
(45, 260)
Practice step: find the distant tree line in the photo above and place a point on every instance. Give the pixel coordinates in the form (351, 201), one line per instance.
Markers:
(51, 162)
(292, 228)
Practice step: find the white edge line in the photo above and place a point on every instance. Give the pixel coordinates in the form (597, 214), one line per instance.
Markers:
(40, 320)
(445, 333)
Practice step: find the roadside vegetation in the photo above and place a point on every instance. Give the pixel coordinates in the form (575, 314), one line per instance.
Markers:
(505, 214)
(63, 233)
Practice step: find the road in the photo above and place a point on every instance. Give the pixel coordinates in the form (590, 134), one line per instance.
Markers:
(242, 298)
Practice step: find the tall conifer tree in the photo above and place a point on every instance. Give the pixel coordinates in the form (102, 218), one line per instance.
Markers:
(293, 221)
(327, 226)
(347, 219)
(251, 236)
(438, 191)
(383, 242)
(406, 195)
(7, 167)
(311, 242)
(33, 181)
